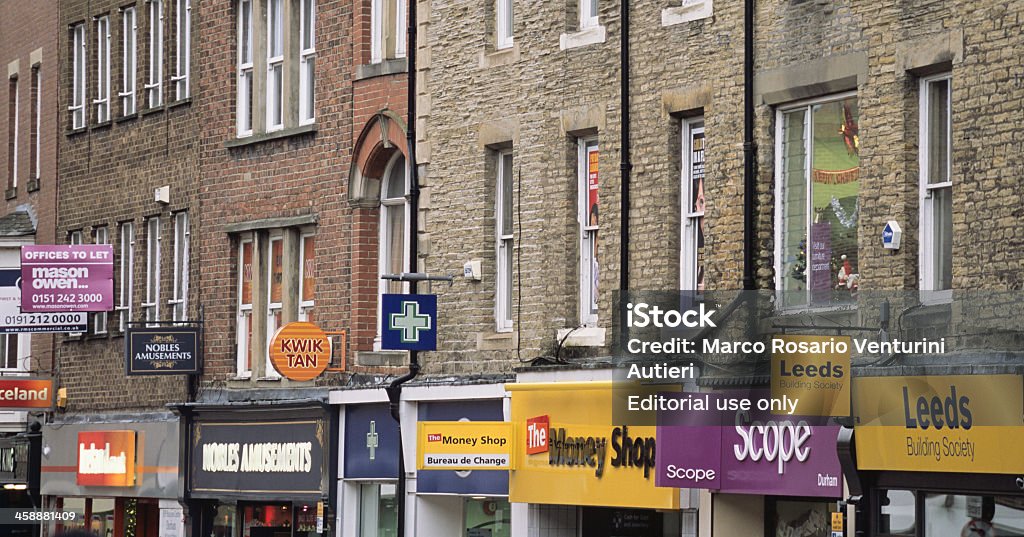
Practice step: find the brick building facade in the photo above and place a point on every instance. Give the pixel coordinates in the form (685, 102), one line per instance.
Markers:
(114, 155)
(28, 47)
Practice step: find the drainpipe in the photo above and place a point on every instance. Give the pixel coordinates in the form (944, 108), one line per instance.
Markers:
(626, 165)
(749, 150)
(394, 390)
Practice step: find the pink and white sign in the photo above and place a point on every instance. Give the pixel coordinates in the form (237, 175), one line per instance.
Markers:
(67, 278)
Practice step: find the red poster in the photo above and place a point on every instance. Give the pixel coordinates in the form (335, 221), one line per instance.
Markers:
(592, 213)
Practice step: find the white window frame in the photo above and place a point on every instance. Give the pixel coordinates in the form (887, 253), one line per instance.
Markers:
(691, 218)
(15, 128)
(243, 313)
(99, 319)
(127, 274)
(78, 76)
(305, 306)
(156, 53)
(246, 85)
(21, 357)
(273, 308)
(401, 22)
(588, 303)
(183, 43)
(182, 237)
(588, 17)
(37, 81)
(376, 31)
(307, 63)
(504, 246)
(275, 65)
(808, 197)
(384, 246)
(129, 60)
(152, 303)
(102, 100)
(926, 244)
(75, 237)
(504, 24)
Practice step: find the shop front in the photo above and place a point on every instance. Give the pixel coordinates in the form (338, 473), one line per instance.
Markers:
(763, 470)
(118, 478)
(369, 477)
(580, 472)
(468, 503)
(259, 471)
(937, 456)
(19, 478)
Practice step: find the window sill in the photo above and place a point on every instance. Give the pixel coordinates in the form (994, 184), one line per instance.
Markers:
(33, 185)
(79, 130)
(392, 66)
(11, 193)
(101, 126)
(696, 10)
(496, 58)
(590, 336)
(496, 341)
(381, 358)
(151, 111)
(180, 102)
(266, 137)
(582, 38)
(128, 117)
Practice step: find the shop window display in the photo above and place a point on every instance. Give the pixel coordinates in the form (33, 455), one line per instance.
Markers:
(266, 520)
(950, 515)
(487, 517)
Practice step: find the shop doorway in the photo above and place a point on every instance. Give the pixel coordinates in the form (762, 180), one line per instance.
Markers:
(613, 522)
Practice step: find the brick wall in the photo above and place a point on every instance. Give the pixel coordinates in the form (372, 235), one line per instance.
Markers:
(108, 173)
(284, 175)
(28, 36)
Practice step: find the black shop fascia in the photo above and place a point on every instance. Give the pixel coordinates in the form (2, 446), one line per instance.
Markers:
(263, 466)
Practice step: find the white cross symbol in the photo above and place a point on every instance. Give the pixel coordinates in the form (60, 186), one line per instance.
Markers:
(371, 440)
(410, 322)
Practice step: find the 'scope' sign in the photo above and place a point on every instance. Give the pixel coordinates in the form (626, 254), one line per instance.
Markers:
(300, 351)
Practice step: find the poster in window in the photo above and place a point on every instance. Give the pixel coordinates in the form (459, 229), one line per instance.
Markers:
(592, 213)
(246, 298)
(276, 270)
(698, 201)
(821, 262)
(308, 269)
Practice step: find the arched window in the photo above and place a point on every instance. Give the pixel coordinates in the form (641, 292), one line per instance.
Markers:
(394, 230)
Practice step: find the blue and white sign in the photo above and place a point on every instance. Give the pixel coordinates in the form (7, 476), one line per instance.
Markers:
(409, 322)
(13, 321)
(891, 235)
(470, 482)
(371, 442)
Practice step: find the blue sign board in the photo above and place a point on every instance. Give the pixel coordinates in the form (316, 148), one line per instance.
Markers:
(474, 482)
(409, 322)
(371, 442)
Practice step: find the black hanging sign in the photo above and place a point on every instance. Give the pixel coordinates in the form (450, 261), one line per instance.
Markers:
(165, 350)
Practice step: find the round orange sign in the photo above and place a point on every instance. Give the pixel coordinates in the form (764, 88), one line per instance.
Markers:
(300, 351)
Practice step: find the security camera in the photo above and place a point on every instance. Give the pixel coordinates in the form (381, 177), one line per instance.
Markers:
(1020, 483)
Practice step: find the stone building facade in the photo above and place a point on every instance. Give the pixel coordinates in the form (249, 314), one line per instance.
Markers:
(28, 47)
(857, 72)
